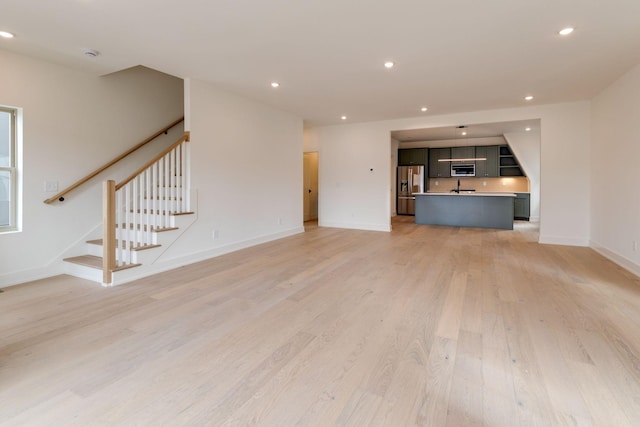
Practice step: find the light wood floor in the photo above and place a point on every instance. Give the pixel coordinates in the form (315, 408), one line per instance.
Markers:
(428, 326)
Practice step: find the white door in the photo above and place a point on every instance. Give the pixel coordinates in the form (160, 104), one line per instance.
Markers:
(310, 186)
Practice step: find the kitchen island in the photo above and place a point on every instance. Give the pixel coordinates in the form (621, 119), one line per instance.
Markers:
(465, 209)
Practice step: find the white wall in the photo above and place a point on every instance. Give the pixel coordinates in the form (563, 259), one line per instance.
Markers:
(310, 142)
(354, 177)
(73, 123)
(246, 166)
(526, 147)
(353, 197)
(615, 203)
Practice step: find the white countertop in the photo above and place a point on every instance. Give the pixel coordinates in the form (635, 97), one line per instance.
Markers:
(470, 193)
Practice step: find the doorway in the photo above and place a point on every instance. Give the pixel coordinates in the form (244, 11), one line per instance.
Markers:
(310, 186)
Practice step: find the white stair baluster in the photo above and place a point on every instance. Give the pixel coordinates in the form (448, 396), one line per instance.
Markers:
(127, 222)
(135, 217)
(167, 179)
(172, 178)
(187, 173)
(178, 190)
(147, 192)
(154, 193)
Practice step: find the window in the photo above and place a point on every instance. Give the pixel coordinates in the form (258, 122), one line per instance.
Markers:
(8, 169)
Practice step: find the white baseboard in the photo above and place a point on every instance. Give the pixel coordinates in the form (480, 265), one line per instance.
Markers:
(54, 267)
(622, 261)
(19, 277)
(560, 240)
(355, 226)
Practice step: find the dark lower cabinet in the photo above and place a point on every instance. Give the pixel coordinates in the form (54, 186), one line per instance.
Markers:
(521, 206)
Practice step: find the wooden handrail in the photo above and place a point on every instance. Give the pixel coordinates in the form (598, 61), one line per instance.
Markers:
(184, 138)
(111, 163)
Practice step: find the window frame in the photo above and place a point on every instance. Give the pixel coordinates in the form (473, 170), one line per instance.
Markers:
(12, 169)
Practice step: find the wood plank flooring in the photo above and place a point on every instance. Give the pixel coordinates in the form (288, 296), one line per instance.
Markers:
(427, 326)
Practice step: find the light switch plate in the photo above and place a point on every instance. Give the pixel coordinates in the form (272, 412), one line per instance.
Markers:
(51, 186)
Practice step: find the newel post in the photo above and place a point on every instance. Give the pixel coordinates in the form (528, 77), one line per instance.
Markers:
(108, 230)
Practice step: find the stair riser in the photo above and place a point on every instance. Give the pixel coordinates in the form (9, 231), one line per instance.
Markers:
(96, 250)
(154, 219)
(137, 236)
(83, 272)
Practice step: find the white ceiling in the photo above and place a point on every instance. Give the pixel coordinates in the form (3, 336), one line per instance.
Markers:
(451, 56)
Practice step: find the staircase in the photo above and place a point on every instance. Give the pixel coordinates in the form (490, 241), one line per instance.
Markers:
(143, 215)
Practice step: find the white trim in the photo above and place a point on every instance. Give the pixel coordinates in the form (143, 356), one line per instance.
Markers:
(14, 168)
(356, 226)
(24, 276)
(620, 260)
(560, 240)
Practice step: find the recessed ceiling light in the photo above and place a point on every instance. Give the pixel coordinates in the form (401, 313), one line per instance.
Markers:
(6, 35)
(389, 64)
(423, 109)
(566, 31)
(464, 133)
(343, 118)
(527, 129)
(528, 98)
(275, 84)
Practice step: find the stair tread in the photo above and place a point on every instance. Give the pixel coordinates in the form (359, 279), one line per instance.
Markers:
(86, 260)
(135, 248)
(93, 261)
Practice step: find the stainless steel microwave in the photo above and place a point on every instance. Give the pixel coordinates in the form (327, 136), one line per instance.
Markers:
(463, 169)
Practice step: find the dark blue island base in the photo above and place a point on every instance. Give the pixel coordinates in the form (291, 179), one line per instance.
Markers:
(482, 210)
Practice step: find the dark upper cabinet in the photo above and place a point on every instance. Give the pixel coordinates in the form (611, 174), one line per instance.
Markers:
(412, 156)
(439, 169)
(463, 153)
(487, 168)
(509, 165)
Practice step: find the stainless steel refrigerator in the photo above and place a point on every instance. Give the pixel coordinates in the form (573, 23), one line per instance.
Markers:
(410, 181)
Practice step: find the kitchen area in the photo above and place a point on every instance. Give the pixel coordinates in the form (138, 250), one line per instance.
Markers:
(467, 176)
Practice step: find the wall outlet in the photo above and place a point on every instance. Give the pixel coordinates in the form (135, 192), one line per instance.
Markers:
(279, 221)
(214, 234)
(437, 183)
(484, 183)
(51, 186)
(635, 245)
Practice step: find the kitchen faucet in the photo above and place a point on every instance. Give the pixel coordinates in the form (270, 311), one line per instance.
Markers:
(458, 189)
